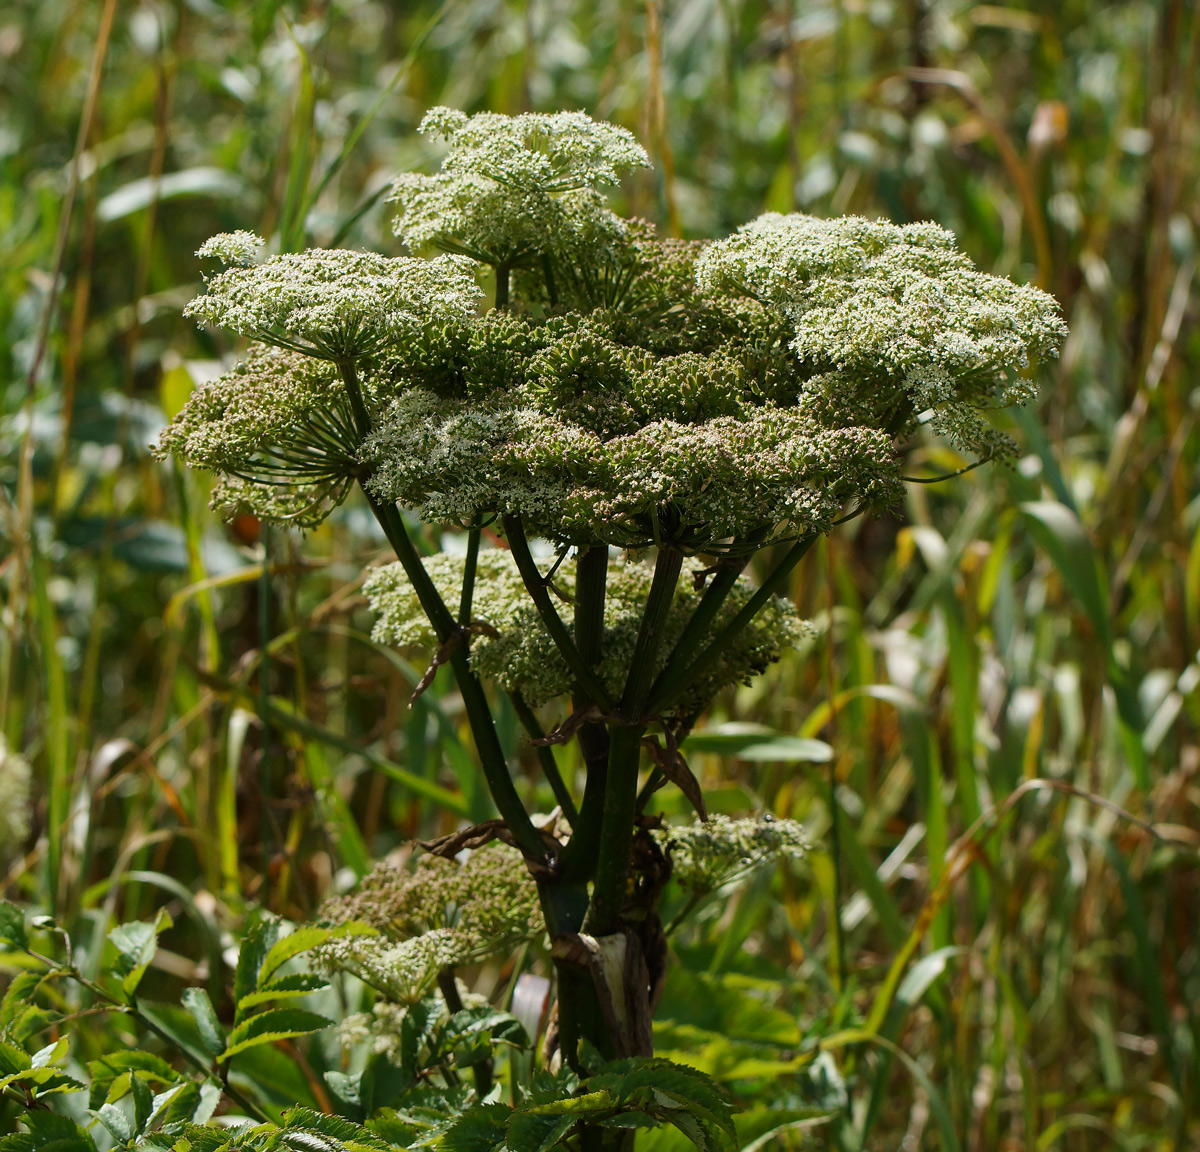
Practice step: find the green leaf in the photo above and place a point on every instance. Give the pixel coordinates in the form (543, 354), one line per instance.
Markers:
(109, 1074)
(143, 1102)
(479, 1129)
(117, 1123)
(757, 742)
(136, 944)
(532, 1131)
(13, 1059)
(257, 942)
(12, 925)
(51, 1054)
(297, 984)
(212, 1036)
(344, 1134)
(48, 1132)
(274, 1024)
(302, 939)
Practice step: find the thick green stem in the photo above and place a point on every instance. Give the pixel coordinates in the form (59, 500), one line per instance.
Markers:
(650, 634)
(668, 690)
(503, 273)
(578, 861)
(625, 750)
(696, 629)
(591, 583)
(588, 681)
(479, 713)
(616, 837)
(546, 759)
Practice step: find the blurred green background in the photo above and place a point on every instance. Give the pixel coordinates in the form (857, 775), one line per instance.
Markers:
(1038, 622)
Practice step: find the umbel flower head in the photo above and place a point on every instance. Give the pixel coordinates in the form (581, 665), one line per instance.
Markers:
(335, 305)
(708, 854)
(892, 321)
(514, 189)
(639, 391)
(514, 648)
(442, 914)
(277, 430)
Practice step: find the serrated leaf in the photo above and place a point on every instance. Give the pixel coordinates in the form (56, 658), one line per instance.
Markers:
(51, 1054)
(13, 1059)
(212, 1035)
(302, 939)
(479, 1129)
(18, 997)
(257, 942)
(117, 1123)
(143, 1102)
(274, 1024)
(298, 984)
(48, 1132)
(12, 925)
(528, 1132)
(106, 1071)
(136, 943)
(341, 1132)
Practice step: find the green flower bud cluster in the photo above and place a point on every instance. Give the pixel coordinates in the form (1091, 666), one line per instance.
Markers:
(278, 432)
(594, 440)
(513, 648)
(709, 854)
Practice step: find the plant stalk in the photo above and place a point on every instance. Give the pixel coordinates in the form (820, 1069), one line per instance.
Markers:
(479, 714)
(589, 682)
(669, 690)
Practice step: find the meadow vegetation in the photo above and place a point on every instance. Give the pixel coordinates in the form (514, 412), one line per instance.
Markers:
(987, 725)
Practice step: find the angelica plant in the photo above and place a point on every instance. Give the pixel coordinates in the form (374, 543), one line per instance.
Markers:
(658, 411)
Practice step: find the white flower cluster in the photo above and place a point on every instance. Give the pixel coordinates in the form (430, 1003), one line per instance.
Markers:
(278, 431)
(892, 320)
(555, 152)
(15, 777)
(728, 395)
(443, 914)
(404, 971)
(709, 854)
(336, 305)
(518, 653)
(239, 249)
(516, 188)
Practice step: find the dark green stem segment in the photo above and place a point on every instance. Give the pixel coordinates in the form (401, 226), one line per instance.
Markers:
(503, 274)
(588, 681)
(616, 837)
(578, 862)
(591, 584)
(468, 584)
(479, 714)
(546, 759)
(650, 635)
(625, 751)
(696, 629)
(668, 690)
